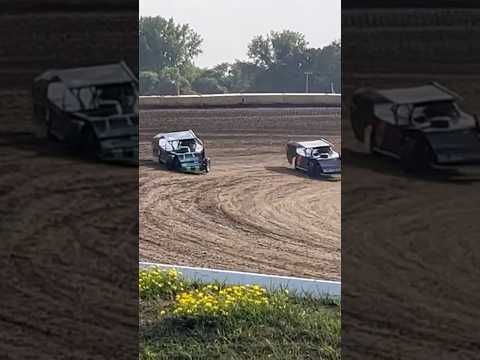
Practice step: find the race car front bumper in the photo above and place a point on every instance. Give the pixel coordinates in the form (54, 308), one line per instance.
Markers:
(128, 155)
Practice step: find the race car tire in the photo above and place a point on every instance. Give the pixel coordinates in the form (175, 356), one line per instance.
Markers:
(313, 169)
(295, 163)
(369, 139)
(170, 164)
(415, 155)
(90, 145)
(176, 164)
(43, 126)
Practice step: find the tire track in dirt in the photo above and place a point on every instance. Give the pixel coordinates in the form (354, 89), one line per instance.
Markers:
(251, 212)
(409, 273)
(61, 215)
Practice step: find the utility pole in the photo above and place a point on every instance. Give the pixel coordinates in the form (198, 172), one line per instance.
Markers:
(307, 73)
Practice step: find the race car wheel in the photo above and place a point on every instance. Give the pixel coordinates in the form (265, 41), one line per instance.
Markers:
(43, 126)
(415, 155)
(176, 164)
(369, 139)
(313, 168)
(90, 146)
(295, 163)
(170, 164)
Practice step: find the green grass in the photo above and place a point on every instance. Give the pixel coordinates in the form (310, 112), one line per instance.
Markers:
(290, 327)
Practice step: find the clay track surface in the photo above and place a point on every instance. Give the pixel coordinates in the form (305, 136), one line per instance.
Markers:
(69, 228)
(410, 255)
(251, 212)
(69, 248)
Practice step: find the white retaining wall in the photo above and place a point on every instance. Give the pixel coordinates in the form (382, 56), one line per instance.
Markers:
(313, 287)
(226, 100)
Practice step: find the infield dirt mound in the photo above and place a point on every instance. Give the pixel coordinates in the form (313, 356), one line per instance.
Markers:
(251, 212)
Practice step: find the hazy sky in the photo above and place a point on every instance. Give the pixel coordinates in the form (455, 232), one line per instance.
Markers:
(227, 26)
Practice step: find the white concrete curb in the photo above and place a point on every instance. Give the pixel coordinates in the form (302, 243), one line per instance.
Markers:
(312, 287)
(253, 99)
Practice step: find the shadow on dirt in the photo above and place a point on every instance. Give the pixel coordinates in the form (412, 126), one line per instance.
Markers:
(160, 167)
(388, 166)
(298, 173)
(153, 165)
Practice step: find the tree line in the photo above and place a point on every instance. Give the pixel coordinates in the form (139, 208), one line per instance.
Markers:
(279, 61)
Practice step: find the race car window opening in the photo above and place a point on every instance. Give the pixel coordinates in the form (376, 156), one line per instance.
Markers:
(440, 109)
(56, 93)
(93, 98)
(86, 97)
(318, 151)
(183, 149)
(190, 144)
(301, 151)
(70, 102)
(402, 114)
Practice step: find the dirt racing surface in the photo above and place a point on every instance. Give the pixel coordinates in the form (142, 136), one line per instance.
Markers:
(68, 251)
(252, 212)
(410, 244)
(410, 262)
(69, 228)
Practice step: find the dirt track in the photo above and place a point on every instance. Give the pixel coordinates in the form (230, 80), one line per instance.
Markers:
(410, 250)
(409, 272)
(69, 230)
(251, 212)
(68, 250)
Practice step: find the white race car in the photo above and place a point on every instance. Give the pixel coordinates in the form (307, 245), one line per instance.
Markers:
(316, 158)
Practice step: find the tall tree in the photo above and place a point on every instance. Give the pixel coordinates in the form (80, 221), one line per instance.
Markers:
(162, 43)
(281, 58)
(276, 48)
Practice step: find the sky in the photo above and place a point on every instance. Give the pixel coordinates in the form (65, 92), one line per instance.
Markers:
(227, 26)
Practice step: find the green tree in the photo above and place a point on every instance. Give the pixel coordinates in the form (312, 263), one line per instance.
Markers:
(152, 83)
(285, 47)
(280, 58)
(162, 43)
(208, 85)
(242, 76)
(278, 62)
(283, 58)
(325, 63)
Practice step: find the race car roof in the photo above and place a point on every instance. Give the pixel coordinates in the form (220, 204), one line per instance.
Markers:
(312, 144)
(178, 135)
(92, 75)
(416, 95)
